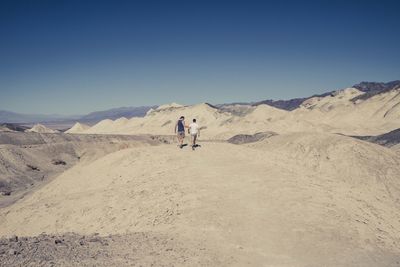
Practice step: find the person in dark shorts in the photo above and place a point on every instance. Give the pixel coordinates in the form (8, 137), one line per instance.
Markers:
(180, 130)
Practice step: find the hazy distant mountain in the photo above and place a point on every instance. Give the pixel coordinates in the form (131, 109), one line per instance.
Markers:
(13, 117)
(115, 113)
(128, 112)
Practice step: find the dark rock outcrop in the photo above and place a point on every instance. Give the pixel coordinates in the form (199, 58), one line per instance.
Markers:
(374, 88)
(388, 139)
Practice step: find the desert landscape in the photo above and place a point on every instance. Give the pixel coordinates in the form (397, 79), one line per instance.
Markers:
(199, 133)
(318, 185)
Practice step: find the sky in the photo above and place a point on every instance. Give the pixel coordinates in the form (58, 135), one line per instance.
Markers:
(74, 57)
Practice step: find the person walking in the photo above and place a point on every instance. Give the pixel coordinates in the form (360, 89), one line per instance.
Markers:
(194, 131)
(180, 130)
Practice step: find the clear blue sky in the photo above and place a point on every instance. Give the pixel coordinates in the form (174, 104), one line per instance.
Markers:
(73, 57)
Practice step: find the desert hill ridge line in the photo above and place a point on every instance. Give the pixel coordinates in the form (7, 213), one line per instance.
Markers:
(337, 112)
(370, 89)
(39, 128)
(78, 127)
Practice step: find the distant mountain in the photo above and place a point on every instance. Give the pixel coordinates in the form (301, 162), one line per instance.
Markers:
(374, 88)
(370, 89)
(116, 113)
(13, 117)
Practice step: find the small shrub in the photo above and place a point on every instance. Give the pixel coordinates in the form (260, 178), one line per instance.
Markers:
(33, 168)
(59, 162)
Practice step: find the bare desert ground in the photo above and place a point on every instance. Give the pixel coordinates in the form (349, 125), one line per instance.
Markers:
(266, 187)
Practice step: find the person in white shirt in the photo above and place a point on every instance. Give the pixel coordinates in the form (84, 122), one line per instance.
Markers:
(194, 131)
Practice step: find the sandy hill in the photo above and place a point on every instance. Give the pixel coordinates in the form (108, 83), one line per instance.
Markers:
(28, 160)
(265, 112)
(78, 128)
(337, 112)
(5, 129)
(332, 154)
(376, 115)
(266, 118)
(237, 109)
(162, 121)
(121, 122)
(169, 106)
(165, 107)
(39, 128)
(215, 123)
(300, 199)
(335, 100)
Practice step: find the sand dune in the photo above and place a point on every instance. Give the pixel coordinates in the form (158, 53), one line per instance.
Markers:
(338, 99)
(270, 202)
(78, 128)
(336, 113)
(28, 160)
(5, 129)
(162, 121)
(39, 128)
(215, 124)
(169, 106)
(368, 117)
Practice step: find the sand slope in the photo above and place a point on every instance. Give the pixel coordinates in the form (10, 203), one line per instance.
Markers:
(28, 160)
(162, 121)
(78, 128)
(301, 199)
(376, 115)
(5, 129)
(335, 113)
(39, 128)
(215, 124)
